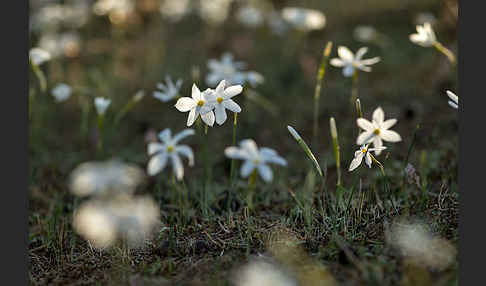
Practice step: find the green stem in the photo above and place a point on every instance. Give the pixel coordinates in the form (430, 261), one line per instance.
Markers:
(385, 182)
(317, 93)
(100, 131)
(233, 162)
(354, 87)
(251, 189)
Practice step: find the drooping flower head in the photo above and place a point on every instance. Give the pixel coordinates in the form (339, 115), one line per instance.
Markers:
(194, 104)
(350, 62)
(220, 100)
(377, 131)
(168, 149)
(255, 157)
(363, 152)
(169, 90)
(425, 36)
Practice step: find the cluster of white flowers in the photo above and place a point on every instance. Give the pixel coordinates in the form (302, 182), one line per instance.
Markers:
(203, 103)
(112, 211)
(374, 132)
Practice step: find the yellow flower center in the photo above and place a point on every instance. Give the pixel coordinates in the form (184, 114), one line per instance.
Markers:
(220, 99)
(364, 150)
(200, 103)
(377, 131)
(256, 161)
(170, 149)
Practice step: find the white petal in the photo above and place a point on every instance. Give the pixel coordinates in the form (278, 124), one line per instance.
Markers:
(371, 61)
(360, 53)
(177, 166)
(165, 135)
(368, 159)
(220, 113)
(377, 144)
(247, 168)
(192, 117)
(187, 152)
(365, 137)
(157, 163)
(271, 156)
(181, 135)
(363, 68)
(356, 162)
(365, 124)
(453, 104)
(452, 96)
(231, 105)
(185, 104)
(388, 123)
(337, 62)
(266, 172)
(250, 146)
(196, 93)
(379, 116)
(208, 118)
(232, 91)
(390, 136)
(220, 87)
(345, 54)
(236, 153)
(154, 148)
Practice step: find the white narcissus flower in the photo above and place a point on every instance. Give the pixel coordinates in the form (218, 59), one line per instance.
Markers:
(39, 56)
(194, 104)
(101, 104)
(304, 19)
(425, 36)
(168, 90)
(377, 130)
(220, 100)
(255, 158)
(168, 148)
(363, 151)
(61, 92)
(349, 61)
(454, 102)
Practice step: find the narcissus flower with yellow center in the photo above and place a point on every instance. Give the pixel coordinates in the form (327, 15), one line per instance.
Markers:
(255, 157)
(377, 131)
(169, 149)
(220, 100)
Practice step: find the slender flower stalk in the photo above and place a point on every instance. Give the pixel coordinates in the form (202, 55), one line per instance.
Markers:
(306, 148)
(354, 87)
(335, 146)
(317, 94)
(450, 55)
(130, 105)
(359, 113)
(101, 104)
(232, 170)
(252, 181)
